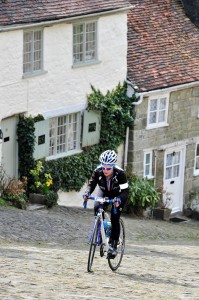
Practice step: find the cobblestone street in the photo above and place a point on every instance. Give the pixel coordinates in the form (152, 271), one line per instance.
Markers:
(43, 255)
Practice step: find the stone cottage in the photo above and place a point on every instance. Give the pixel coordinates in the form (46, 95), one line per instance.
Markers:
(163, 69)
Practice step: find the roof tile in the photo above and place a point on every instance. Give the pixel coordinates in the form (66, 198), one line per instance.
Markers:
(163, 45)
(29, 11)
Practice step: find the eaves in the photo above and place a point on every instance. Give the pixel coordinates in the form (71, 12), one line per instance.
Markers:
(64, 20)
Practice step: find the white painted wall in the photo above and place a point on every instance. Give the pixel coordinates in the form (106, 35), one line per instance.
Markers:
(62, 85)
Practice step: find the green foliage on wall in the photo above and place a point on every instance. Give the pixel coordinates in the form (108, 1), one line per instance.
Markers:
(26, 142)
(70, 173)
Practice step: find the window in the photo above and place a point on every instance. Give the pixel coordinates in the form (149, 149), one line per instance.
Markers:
(196, 171)
(173, 165)
(32, 51)
(157, 112)
(84, 42)
(148, 164)
(64, 134)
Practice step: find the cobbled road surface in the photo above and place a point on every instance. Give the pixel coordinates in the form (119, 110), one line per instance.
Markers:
(43, 255)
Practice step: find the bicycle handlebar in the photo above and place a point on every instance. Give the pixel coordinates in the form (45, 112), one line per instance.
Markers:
(103, 200)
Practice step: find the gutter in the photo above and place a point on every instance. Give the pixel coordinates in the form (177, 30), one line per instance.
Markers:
(65, 20)
(164, 90)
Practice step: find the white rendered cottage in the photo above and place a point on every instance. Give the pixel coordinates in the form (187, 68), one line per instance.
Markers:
(50, 54)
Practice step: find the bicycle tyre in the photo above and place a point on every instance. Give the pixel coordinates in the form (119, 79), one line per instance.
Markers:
(115, 263)
(93, 246)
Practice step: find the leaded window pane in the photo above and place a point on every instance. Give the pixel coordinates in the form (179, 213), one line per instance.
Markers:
(147, 170)
(152, 119)
(162, 103)
(169, 159)
(153, 105)
(161, 116)
(176, 171)
(168, 172)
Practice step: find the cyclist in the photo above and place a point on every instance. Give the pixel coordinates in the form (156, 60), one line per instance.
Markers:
(112, 182)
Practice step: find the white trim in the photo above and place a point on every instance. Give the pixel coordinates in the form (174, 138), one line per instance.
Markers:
(124, 186)
(164, 90)
(158, 124)
(149, 176)
(195, 171)
(65, 154)
(64, 111)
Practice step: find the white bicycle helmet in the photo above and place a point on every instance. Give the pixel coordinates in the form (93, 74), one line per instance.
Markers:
(108, 157)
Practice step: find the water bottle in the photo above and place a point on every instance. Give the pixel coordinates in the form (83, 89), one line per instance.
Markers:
(105, 224)
(108, 230)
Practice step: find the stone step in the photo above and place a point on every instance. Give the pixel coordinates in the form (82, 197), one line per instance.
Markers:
(35, 206)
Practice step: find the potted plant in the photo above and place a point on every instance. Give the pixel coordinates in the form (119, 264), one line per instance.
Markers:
(142, 194)
(163, 210)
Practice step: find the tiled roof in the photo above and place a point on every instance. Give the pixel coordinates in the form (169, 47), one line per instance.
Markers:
(163, 45)
(29, 11)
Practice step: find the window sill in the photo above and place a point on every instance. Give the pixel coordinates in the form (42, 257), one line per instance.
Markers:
(85, 64)
(155, 126)
(61, 155)
(28, 75)
(149, 177)
(195, 173)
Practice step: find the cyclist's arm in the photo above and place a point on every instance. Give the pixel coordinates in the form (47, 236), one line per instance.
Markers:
(92, 183)
(123, 189)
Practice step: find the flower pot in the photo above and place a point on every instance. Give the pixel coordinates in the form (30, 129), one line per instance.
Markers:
(161, 213)
(37, 198)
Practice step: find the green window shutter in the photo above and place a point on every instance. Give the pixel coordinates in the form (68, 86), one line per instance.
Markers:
(41, 139)
(91, 128)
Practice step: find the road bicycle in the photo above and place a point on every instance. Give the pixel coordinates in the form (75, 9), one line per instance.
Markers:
(100, 237)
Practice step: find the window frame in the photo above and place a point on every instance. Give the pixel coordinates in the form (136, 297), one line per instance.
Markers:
(84, 61)
(196, 171)
(150, 164)
(157, 124)
(32, 61)
(67, 151)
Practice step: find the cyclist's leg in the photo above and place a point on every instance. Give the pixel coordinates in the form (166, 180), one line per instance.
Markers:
(115, 233)
(114, 262)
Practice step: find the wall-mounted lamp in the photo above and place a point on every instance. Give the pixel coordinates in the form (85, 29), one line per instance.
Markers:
(1, 134)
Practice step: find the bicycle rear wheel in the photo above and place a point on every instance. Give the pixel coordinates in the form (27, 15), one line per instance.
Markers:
(93, 245)
(115, 263)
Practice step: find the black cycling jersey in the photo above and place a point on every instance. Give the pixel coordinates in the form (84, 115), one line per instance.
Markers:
(115, 186)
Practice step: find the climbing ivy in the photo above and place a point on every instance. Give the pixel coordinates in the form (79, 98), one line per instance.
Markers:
(70, 173)
(26, 142)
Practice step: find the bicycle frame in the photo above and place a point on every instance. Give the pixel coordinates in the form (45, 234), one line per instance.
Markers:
(101, 235)
(98, 238)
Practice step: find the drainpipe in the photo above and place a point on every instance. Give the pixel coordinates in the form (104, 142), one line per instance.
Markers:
(126, 148)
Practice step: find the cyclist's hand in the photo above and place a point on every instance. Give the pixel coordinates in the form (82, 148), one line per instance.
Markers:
(118, 202)
(86, 196)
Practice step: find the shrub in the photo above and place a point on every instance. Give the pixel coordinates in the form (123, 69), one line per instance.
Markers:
(51, 199)
(41, 181)
(142, 194)
(2, 202)
(14, 192)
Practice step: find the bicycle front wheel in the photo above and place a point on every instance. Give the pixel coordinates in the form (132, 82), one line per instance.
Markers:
(93, 245)
(115, 263)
